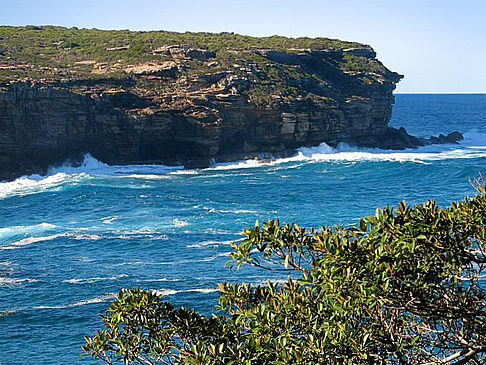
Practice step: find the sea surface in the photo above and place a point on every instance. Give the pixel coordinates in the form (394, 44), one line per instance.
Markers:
(70, 239)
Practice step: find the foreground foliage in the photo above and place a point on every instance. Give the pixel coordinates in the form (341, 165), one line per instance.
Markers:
(405, 286)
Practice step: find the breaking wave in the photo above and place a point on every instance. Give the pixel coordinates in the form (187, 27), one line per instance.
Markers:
(6, 281)
(98, 299)
(167, 292)
(92, 166)
(68, 174)
(94, 280)
(473, 146)
(36, 239)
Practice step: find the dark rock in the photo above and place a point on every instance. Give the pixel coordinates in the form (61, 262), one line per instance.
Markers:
(200, 54)
(454, 137)
(71, 45)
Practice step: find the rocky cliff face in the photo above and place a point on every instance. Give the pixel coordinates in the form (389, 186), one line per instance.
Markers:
(193, 107)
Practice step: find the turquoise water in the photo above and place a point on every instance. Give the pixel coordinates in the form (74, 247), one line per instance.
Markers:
(70, 239)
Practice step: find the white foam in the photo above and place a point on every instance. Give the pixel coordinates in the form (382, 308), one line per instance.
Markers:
(473, 146)
(29, 240)
(131, 263)
(92, 166)
(109, 220)
(4, 281)
(94, 280)
(161, 279)
(57, 176)
(145, 232)
(12, 230)
(212, 243)
(214, 257)
(179, 223)
(34, 184)
(344, 153)
(167, 292)
(232, 211)
(84, 236)
(185, 172)
(99, 299)
(33, 239)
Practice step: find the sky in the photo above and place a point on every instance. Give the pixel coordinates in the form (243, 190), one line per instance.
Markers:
(439, 45)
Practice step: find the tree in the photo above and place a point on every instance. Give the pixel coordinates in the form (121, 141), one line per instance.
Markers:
(404, 286)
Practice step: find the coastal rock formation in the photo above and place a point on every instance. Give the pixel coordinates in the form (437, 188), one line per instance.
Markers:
(193, 105)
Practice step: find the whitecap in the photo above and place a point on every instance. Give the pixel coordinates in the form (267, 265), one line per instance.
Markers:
(6, 281)
(242, 164)
(36, 239)
(34, 184)
(94, 279)
(30, 240)
(109, 220)
(98, 299)
(167, 292)
(203, 244)
(131, 263)
(8, 312)
(217, 231)
(185, 172)
(155, 280)
(179, 223)
(214, 257)
(238, 211)
(92, 166)
(67, 173)
(13, 230)
(84, 236)
(473, 146)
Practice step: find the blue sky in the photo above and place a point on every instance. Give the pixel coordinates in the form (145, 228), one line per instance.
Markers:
(439, 45)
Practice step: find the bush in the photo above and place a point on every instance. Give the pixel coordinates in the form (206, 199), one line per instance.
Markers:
(404, 286)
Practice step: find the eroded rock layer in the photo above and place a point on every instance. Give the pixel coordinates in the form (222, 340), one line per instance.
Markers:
(192, 105)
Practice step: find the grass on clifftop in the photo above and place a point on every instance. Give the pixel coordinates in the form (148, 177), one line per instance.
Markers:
(89, 60)
(39, 51)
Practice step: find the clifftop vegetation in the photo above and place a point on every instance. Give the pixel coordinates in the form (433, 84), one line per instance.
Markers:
(263, 68)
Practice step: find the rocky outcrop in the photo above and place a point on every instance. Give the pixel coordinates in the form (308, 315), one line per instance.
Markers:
(190, 106)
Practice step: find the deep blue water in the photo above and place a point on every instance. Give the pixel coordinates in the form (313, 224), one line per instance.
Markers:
(70, 239)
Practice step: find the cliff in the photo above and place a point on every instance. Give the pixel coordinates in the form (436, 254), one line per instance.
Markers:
(183, 98)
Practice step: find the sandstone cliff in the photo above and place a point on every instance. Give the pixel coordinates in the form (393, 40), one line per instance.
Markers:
(184, 99)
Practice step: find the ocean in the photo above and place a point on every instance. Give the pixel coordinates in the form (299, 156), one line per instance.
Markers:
(70, 239)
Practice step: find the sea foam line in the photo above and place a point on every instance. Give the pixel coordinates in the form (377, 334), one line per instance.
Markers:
(25, 229)
(106, 297)
(98, 299)
(167, 292)
(94, 279)
(92, 166)
(473, 146)
(203, 244)
(6, 281)
(58, 176)
(31, 240)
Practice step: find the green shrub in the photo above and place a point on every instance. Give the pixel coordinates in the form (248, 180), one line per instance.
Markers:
(404, 286)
